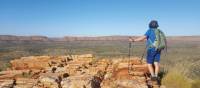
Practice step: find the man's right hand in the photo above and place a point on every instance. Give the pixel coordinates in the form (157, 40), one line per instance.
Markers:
(131, 40)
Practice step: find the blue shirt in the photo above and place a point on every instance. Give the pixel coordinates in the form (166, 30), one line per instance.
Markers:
(150, 36)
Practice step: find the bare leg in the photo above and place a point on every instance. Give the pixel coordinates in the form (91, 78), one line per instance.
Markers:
(157, 68)
(150, 67)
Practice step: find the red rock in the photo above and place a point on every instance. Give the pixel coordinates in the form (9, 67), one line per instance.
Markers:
(81, 70)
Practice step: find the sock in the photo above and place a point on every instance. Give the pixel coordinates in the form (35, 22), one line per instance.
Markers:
(156, 75)
(152, 75)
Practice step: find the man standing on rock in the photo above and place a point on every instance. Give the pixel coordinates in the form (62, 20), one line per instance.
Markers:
(156, 42)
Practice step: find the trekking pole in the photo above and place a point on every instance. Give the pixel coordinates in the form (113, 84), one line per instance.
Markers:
(143, 55)
(129, 55)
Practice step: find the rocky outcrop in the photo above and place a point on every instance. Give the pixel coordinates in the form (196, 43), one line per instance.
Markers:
(75, 71)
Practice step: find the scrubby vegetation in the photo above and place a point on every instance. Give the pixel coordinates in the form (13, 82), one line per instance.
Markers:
(176, 80)
(180, 64)
(196, 84)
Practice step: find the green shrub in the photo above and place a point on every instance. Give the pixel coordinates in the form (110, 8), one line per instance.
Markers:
(4, 66)
(24, 75)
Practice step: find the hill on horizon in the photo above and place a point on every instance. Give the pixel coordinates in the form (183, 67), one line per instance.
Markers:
(83, 38)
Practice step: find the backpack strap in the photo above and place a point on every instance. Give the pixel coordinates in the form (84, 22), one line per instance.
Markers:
(151, 45)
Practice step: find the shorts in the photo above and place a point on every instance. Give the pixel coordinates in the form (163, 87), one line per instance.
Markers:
(153, 56)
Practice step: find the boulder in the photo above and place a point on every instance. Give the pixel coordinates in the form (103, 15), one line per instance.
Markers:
(6, 83)
(32, 62)
(76, 82)
(81, 82)
(47, 82)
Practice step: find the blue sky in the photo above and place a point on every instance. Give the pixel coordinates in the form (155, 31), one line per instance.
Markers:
(57, 18)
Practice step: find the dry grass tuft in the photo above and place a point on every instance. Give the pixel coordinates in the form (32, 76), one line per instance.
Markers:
(175, 79)
(196, 84)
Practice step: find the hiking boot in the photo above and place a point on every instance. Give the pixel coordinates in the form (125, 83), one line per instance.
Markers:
(153, 78)
(158, 78)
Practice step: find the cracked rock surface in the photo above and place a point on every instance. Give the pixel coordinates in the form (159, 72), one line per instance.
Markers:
(74, 71)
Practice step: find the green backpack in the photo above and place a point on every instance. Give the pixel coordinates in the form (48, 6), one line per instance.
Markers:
(160, 42)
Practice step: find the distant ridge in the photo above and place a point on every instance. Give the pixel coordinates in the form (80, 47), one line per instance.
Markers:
(85, 38)
(65, 38)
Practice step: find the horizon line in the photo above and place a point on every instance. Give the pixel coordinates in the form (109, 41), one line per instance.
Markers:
(93, 36)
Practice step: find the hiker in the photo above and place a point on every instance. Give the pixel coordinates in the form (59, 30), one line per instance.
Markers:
(156, 42)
